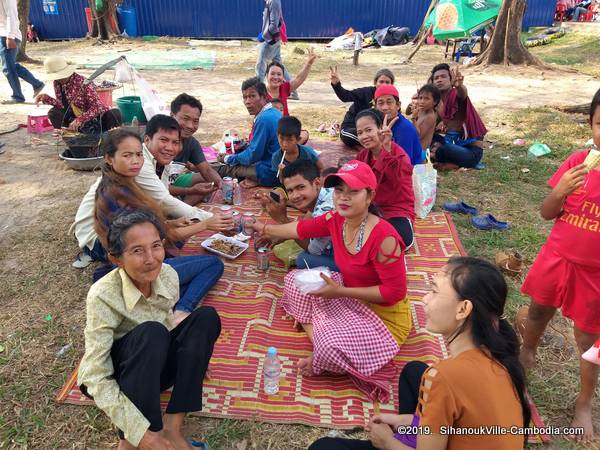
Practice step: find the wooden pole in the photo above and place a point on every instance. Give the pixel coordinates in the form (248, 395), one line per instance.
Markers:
(423, 37)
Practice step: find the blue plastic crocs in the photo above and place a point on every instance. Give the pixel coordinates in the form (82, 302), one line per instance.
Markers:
(198, 444)
(460, 207)
(488, 222)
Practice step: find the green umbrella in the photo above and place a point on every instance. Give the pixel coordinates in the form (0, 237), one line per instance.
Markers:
(461, 18)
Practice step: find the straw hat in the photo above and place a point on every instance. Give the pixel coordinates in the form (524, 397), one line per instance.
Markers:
(57, 68)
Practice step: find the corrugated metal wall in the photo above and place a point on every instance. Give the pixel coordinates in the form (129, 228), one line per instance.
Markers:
(539, 13)
(68, 23)
(242, 18)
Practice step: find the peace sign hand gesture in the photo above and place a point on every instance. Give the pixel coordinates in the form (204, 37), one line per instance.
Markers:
(333, 75)
(457, 77)
(385, 133)
(312, 56)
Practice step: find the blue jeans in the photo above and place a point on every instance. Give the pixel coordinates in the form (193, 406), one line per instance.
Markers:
(315, 261)
(97, 253)
(13, 71)
(578, 11)
(467, 156)
(197, 275)
(266, 54)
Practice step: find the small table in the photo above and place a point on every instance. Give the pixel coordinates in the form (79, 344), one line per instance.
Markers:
(459, 42)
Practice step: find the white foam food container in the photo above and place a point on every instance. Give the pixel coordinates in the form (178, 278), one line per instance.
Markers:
(207, 244)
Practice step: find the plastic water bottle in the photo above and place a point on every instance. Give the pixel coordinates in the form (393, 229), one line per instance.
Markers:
(135, 122)
(271, 372)
(237, 193)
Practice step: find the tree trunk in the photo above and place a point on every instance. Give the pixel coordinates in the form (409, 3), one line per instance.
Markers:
(101, 25)
(23, 10)
(422, 30)
(506, 47)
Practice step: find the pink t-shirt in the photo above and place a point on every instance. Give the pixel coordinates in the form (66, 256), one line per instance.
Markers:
(362, 269)
(284, 93)
(576, 231)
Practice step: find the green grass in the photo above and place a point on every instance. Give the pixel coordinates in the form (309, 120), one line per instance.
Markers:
(577, 50)
(509, 194)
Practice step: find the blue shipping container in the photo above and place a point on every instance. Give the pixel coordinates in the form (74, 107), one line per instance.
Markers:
(68, 23)
(242, 18)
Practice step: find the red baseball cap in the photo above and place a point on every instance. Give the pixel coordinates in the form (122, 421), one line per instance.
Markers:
(386, 89)
(355, 174)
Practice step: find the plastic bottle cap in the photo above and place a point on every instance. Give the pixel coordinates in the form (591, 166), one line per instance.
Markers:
(272, 351)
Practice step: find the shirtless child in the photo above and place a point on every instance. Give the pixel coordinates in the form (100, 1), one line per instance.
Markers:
(425, 115)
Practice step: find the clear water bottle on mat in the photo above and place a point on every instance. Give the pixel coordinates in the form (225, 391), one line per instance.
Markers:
(271, 372)
(237, 193)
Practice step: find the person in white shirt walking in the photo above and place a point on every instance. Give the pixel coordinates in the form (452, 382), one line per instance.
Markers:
(10, 39)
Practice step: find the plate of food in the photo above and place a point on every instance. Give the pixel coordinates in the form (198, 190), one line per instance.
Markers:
(225, 246)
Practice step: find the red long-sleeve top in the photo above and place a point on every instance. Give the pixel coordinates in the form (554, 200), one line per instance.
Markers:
(395, 196)
(363, 269)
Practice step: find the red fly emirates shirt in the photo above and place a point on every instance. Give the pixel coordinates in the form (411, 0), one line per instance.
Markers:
(394, 196)
(576, 231)
(364, 268)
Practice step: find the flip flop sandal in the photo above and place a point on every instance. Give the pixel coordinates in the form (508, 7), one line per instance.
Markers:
(198, 444)
(510, 263)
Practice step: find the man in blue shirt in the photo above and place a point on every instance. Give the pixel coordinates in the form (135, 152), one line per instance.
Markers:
(404, 133)
(254, 163)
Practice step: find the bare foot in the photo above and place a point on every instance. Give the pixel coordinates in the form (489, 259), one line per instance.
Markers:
(527, 358)
(179, 316)
(125, 445)
(305, 366)
(583, 419)
(177, 440)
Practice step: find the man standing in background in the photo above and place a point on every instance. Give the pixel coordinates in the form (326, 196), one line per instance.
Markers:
(10, 39)
(271, 36)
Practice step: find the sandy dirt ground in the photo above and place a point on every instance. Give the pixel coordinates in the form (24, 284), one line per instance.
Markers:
(33, 175)
(39, 196)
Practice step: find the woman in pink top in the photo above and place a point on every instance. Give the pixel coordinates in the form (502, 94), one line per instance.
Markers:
(356, 327)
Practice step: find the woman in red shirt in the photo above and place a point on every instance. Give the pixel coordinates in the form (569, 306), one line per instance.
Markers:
(355, 327)
(280, 89)
(392, 168)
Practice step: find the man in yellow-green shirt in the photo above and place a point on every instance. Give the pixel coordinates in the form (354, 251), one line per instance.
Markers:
(133, 351)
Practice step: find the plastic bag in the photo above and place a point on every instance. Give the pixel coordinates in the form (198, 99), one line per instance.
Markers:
(425, 187)
(287, 252)
(123, 72)
(309, 280)
(538, 149)
(152, 104)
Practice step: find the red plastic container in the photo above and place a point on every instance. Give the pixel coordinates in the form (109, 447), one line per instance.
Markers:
(105, 97)
(88, 18)
(38, 124)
